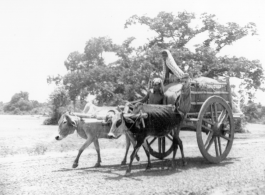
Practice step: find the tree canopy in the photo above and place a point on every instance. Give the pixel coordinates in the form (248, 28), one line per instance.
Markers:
(20, 102)
(127, 77)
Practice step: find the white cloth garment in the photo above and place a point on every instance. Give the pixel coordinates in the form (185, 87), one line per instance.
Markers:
(171, 64)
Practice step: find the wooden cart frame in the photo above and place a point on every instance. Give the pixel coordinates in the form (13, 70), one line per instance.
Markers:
(210, 117)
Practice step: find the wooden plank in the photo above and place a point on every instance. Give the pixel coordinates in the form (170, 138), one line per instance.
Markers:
(193, 113)
(196, 113)
(191, 119)
(143, 115)
(196, 103)
(83, 115)
(162, 106)
(208, 92)
(237, 115)
(200, 103)
(229, 91)
(205, 84)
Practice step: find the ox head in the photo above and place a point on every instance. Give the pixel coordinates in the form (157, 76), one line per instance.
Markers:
(121, 123)
(67, 125)
(118, 126)
(108, 117)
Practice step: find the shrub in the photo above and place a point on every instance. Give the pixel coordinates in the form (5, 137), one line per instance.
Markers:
(59, 99)
(17, 111)
(254, 112)
(240, 125)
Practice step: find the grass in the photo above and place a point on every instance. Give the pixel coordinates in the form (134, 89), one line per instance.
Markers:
(26, 135)
(39, 149)
(5, 151)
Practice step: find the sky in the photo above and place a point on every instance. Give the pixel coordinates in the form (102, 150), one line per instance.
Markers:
(36, 36)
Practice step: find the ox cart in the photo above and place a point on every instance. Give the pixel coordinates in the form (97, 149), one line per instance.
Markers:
(211, 117)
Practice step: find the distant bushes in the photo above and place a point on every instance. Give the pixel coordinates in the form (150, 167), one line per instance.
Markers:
(1, 108)
(240, 125)
(20, 105)
(254, 113)
(19, 102)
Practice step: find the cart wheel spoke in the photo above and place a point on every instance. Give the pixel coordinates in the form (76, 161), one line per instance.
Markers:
(152, 140)
(207, 121)
(212, 113)
(220, 146)
(216, 147)
(226, 138)
(215, 112)
(159, 145)
(208, 139)
(223, 118)
(208, 128)
(210, 144)
(169, 137)
(163, 139)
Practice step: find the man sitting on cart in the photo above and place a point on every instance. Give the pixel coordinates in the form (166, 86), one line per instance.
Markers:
(155, 95)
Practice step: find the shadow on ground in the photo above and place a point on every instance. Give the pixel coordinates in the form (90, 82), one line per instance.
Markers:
(159, 168)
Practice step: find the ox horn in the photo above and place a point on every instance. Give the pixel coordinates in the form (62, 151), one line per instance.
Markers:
(69, 120)
(120, 108)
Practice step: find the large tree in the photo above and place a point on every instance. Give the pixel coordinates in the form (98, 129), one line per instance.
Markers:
(175, 32)
(127, 77)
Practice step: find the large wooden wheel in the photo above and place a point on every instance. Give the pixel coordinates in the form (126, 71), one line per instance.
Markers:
(160, 147)
(215, 129)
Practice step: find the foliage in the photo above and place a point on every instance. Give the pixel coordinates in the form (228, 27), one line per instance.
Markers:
(240, 125)
(254, 112)
(20, 104)
(1, 107)
(175, 32)
(127, 77)
(59, 100)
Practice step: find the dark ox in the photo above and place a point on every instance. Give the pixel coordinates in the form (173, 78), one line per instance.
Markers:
(91, 131)
(157, 121)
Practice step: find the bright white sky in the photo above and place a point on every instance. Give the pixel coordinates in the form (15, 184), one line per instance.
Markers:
(37, 36)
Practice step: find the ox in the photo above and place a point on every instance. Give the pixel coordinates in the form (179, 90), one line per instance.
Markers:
(157, 121)
(91, 131)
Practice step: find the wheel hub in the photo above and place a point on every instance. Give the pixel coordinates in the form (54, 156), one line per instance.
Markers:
(216, 130)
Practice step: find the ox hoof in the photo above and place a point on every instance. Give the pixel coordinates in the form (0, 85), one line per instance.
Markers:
(148, 167)
(75, 165)
(127, 174)
(97, 165)
(123, 162)
(137, 158)
(173, 166)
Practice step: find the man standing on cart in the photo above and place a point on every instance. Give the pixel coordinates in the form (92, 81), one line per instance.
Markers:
(171, 72)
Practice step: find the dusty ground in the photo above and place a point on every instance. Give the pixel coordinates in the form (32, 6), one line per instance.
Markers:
(31, 162)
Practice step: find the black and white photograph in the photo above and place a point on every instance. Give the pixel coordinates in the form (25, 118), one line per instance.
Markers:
(132, 97)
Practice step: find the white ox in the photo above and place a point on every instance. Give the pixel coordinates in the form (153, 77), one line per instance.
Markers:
(91, 131)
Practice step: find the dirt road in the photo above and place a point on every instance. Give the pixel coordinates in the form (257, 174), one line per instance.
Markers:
(243, 172)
